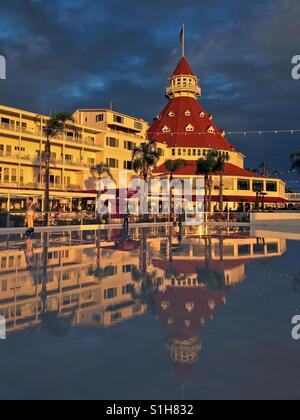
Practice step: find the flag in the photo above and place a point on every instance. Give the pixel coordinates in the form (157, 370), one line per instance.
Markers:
(182, 35)
(182, 40)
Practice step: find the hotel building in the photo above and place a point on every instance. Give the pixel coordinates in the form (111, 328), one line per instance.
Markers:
(190, 132)
(183, 129)
(96, 136)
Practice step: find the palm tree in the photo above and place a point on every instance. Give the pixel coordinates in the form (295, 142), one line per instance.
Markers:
(144, 161)
(265, 169)
(100, 172)
(207, 167)
(220, 167)
(172, 166)
(53, 127)
(295, 157)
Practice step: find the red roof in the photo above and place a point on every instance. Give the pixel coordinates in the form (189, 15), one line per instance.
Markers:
(183, 68)
(175, 117)
(191, 170)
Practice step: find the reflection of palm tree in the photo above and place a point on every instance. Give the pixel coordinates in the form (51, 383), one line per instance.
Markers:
(52, 322)
(145, 281)
(215, 280)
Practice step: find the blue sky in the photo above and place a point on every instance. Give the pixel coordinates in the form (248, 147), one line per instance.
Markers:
(66, 54)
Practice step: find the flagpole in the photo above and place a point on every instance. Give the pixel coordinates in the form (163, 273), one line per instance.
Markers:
(183, 41)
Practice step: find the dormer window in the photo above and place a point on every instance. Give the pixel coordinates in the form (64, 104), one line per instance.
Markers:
(190, 127)
(166, 129)
(187, 113)
(211, 130)
(202, 114)
(171, 114)
(223, 134)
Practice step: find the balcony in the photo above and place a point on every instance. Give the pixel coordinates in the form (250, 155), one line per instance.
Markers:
(184, 87)
(37, 133)
(39, 186)
(37, 161)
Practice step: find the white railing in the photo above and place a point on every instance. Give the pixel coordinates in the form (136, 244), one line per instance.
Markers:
(293, 196)
(38, 133)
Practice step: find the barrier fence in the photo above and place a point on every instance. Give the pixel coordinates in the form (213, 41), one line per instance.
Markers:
(18, 220)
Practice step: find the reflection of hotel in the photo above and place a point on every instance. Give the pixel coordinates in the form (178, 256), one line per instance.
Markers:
(102, 287)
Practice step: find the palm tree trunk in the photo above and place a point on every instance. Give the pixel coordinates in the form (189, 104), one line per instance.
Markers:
(47, 181)
(209, 198)
(206, 194)
(221, 193)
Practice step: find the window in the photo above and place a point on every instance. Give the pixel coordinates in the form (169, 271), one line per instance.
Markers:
(257, 186)
(243, 184)
(138, 125)
(202, 114)
(128, 165)
(259, 249)
(211, 130)
(91, 161)
(13, 175)
(129, 145)
(118, 119)
(272, 248)
(126, 290)
(110, 271)
(6, 174)
(112, 142)
(110, 293)
(161, 152)
(190, 127)
(244, 250)
(171, 114)
(173, 152)
(127, 268)
(187, 113)
(68, 158)
(272, 187)
(165, 129)
(112, 163)
(100, 118)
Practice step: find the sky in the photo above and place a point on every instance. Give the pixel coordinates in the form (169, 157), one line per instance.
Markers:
(68, 54)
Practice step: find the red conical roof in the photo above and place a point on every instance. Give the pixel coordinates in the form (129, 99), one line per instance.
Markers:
(183, 67)
(181, 112)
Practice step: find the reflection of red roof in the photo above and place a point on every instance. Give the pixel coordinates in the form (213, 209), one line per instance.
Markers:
(180, 321)
(125, 246)
(178, 136)
(191, 267)
(183, 68)
(191, 170)
(183, 311)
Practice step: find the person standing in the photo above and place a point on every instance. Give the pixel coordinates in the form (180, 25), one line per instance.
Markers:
(30, 215)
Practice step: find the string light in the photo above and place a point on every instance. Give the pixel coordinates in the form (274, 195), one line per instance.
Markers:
(229, 133)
